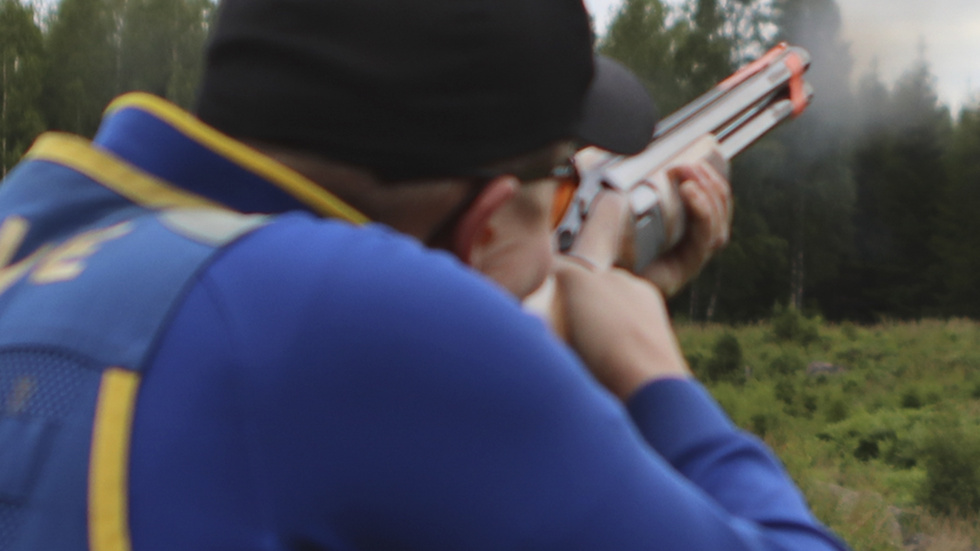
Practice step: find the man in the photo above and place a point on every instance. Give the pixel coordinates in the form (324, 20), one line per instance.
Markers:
(205, 345)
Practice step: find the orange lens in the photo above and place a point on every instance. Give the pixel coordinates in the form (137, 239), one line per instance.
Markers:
(563, 198)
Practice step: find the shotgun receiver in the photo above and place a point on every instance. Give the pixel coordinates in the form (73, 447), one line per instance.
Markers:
(731, 116)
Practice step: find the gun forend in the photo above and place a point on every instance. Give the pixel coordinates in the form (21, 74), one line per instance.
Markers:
(726, 120)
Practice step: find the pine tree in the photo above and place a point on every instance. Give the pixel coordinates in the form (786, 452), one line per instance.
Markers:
(83, 76)
(639, 38)
(898, 165)
(21, 66)
(818, 192)
(957, 238)
(161, 47)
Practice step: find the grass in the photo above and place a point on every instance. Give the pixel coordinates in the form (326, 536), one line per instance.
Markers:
(884, 443)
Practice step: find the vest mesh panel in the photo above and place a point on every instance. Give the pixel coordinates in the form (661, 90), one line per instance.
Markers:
(37, 386)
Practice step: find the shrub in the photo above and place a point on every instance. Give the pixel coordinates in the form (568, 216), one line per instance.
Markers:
(885, 435)
(809, 404)
(788, 324)
(911, 399)
(761, 423)
(788, 362)
(726, 359)
(837, 410)
(867, 449)
(785, 391)
(952, 482)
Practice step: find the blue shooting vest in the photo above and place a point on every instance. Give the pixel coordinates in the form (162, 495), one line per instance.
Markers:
(86, 291)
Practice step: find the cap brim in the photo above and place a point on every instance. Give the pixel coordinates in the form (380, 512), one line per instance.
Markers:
(618, 114)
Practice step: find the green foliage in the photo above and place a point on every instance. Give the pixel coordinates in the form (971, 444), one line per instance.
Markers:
(897, 429)
(752, 406)
(898, 162)
(81, 77)
(21, 71)
(789, 324)
(957, 237)
(785, 391)
(789, 361)
(952, 483)
(837, 409)
(886, 435)
(725, 362)
(639, 38)
(60, 71)
(161, 43)
(911, 399)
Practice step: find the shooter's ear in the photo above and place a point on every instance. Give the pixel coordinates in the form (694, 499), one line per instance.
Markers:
(474, 232)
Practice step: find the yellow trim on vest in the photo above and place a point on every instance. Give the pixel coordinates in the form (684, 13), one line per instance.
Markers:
(302, 188)
(108, 504)
(130, 182)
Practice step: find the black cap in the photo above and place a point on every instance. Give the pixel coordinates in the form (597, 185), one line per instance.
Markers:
(417, 88)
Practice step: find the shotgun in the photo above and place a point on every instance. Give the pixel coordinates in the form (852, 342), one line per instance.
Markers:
(728, 118)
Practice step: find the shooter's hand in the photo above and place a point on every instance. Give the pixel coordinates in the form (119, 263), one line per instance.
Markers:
(615, 321)
(707, 197)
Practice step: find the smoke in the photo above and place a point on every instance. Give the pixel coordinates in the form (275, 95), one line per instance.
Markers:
(893, 35)
(825, 126)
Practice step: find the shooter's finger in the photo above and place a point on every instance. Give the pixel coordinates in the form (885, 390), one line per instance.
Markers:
(718, 187)
(707, 227)
(705, 175)
(707, 196)
(599, 241)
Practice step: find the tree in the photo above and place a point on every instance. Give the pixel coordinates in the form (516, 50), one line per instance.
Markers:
(814, 215)
(703, 50)
(83, 47)
(21, 66)
(639, 38)
(161, 45)
(898, 165)
(957, 238)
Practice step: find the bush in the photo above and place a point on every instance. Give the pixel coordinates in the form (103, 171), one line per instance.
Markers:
(886, 435)
(911, 399)
(761, 423)
(867, 449)
(788, 324)
(785, 391)
(952, 482)
(788, 362)
(725, 362)
(837, 410)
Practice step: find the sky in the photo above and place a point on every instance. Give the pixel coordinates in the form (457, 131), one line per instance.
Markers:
(891, 32)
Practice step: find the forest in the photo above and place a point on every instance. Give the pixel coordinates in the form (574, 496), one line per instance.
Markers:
(863, 209)
(61, 64)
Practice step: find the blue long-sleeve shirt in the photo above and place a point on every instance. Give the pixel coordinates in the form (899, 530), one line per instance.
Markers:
(324, 385)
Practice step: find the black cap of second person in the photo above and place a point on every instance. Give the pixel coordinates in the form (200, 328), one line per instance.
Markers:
(419, 88)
